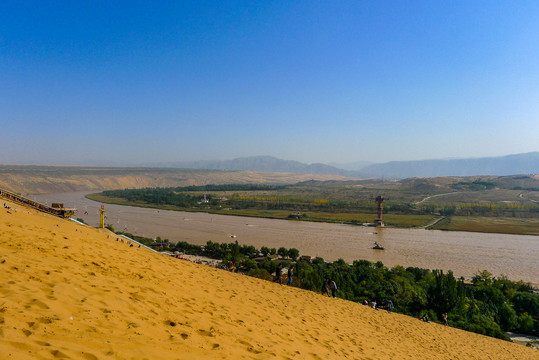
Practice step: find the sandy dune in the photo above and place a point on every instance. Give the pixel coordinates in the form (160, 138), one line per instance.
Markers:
(36, 179)
(71, 292)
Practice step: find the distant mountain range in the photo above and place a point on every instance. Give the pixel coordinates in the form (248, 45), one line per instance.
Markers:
(353, 166)
(263, 164)
(527, 163)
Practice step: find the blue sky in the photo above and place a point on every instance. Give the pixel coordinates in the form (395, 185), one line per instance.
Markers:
(113, 82)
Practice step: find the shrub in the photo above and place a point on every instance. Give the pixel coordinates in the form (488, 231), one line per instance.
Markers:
(525, 323)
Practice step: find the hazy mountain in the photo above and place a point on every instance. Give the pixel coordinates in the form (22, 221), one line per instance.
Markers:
(527, 163)
(352, 166)
(264, 164)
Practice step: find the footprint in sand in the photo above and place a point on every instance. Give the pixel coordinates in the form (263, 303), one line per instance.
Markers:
(212, 332)
(38, 303)
(45, 320)
(250, 347)
(42, 343)
(89, 356)
(243, 342)
(59, 355)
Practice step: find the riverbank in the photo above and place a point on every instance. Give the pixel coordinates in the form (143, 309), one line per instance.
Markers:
(494, 225)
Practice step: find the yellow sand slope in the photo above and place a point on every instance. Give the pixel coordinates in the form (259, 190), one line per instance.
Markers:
(68, 291)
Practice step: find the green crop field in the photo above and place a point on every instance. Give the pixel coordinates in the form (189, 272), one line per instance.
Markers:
(490, 225)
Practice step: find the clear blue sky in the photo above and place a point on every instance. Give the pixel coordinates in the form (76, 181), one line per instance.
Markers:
(102, 82)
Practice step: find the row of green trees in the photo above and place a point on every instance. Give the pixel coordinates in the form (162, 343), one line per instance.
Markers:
(476, 185)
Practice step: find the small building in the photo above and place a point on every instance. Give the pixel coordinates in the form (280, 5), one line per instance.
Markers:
(261, 259)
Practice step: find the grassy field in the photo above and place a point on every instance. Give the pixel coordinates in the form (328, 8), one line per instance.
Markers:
(404, 221)
(490, 225)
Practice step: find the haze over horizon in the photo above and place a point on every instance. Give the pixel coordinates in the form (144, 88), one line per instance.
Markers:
(126, 83)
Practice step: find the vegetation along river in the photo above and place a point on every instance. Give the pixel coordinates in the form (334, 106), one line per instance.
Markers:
(465, 253)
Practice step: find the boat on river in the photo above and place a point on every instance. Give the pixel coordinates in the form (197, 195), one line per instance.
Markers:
(378, 246)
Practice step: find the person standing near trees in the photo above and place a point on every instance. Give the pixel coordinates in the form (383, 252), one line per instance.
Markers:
(279, 274)
(444, 318)
(290, 274)
(333, 287)
(325, 285)
(389, 305)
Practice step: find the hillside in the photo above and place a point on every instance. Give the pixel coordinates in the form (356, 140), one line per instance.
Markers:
(57, 179)
(527, 163)
(69, 291)
(262, 164)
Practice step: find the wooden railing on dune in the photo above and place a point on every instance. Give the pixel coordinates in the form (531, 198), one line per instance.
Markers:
(56, 209)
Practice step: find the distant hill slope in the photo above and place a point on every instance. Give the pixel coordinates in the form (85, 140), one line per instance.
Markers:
(352, 166)
(57, 179)
(265, 164)
(527, 163)
(71, 292)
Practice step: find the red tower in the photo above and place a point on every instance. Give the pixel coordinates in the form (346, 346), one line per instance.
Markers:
(379, 221)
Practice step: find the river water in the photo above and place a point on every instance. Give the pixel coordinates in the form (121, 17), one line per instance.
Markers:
(465, 253)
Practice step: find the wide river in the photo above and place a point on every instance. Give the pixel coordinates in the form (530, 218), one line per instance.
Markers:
(465, 253)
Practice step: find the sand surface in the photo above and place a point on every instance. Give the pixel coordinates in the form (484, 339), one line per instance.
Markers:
(70, 292)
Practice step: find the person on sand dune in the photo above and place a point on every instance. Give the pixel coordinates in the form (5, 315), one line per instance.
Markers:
(290, 274)
(389, 305)
(333, 287)
(325, 286)
(444, 318)
(279, 274)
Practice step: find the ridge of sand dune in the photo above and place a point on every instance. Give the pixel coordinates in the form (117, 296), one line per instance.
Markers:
(69, 291)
